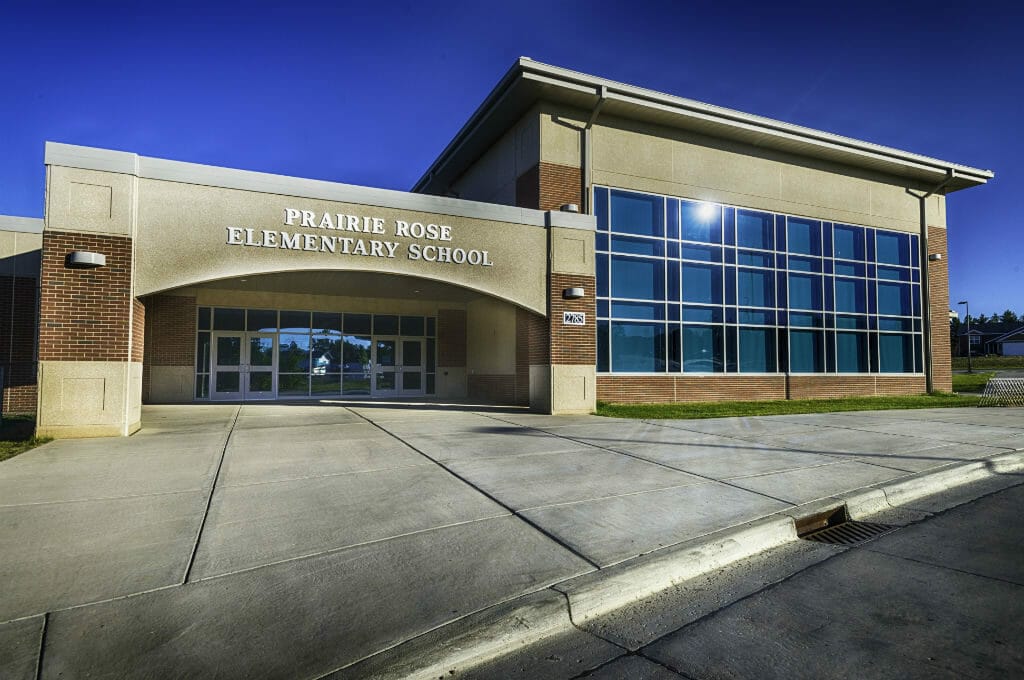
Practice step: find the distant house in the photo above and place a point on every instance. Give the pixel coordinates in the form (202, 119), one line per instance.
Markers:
(983, 338)
(1009, 344)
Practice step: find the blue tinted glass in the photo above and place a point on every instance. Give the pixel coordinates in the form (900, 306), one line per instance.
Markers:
(915, 252)
(602, 346)
(702, 314)
(893, 274)
(702, 283)
(755, 288)
(701, 222)
(602, 309)
(803, 236)
(848, 242)
(602, 275)
(850, 296)
(805, 352)
(759, 317)
(637, 347)
(804, 291)
(860, 322)
(638, 246)
(849, 269)
(754, 229)
(672, 294)
(638, 310)
(601, 208)
(895, 353)
(851, 352)
(805, 320)
(757, 350)
(638, 279)
(893, 248)
(673, 312)
(702, 349)
(637, 213)
(754, 259)
(885, 324)
(673, 250)
(702, 253)
(803, 264)
(672, 213)
(894, 299)
(601, 242)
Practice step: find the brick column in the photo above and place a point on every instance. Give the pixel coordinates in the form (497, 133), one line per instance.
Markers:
(169, 360)
(938, 290)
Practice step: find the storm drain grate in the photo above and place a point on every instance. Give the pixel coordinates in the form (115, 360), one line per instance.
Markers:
(849, 532)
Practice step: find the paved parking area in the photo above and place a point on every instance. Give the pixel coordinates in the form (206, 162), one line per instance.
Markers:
(291, 540)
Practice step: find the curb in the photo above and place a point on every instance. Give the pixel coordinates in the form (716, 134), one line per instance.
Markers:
(504, 628)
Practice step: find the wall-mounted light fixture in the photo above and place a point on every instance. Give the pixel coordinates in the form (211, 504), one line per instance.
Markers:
(83, 259)
(935, 257)
(570, 207)
(572, 293)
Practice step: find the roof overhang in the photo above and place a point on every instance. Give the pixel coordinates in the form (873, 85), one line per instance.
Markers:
(529, 82)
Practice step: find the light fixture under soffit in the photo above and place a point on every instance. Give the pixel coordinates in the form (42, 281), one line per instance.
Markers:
(572, 293)
(83, 259)
(935, 257)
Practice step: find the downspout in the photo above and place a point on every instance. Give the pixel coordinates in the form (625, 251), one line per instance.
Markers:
(585, 149)
(926, 302)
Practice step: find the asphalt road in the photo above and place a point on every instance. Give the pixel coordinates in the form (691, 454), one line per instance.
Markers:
(942, 596)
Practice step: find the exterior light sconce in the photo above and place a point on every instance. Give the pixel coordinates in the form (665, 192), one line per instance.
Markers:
(570, 208)
(935, 257)
(83, 259)
(572, 293)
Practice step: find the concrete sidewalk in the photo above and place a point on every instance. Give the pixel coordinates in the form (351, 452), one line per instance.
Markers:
(295, 540)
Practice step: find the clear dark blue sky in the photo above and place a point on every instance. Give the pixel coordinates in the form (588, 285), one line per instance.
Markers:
(370, 92)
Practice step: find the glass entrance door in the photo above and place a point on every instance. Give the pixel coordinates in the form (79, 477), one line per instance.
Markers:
(410, 374)
(385, 366)
(244, 366)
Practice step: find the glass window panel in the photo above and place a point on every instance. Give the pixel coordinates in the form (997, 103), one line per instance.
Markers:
(755, 288)
(702, 314)
(850, 296)
(806, 354)
(355, 384)
(702, 283)
(228, 319)
(851, 352)
(431, 355)
(293, 353)
(701, 222)
(601, 242)
(204, 318)
(602, 346)
(895, 353)
(411, 380)
(293, 385)
(637, 213)
(637, 347)
(804, 291)
(849, 269)
(858, 322)
(358, 324)
(754, 229)
(674, 281)
(412, 354)
(261, 351)
(892, 248)
(326, 354)
(229, 351)
(803, 236)
(702, 253)
(805, 320)
(412, 325)
(385, 324)
(638, 246)
(327, 323)
(674, 343)
(754, 259)
(261, 320)
(672, 215)
(893, 274)
(702, 349)
(325, 385)
(885, 324)
(203, 386)
(848, 242)
(294, 322)
(760, 317)
(804, 264)
(261, 381)
(355, 355)
(228, 381)
(894, 299)
(757, 350)
(638, 310)
(203, 353)
(431, 326)
(638, 279)
(430, 384)
(602, 275)
(601, 207)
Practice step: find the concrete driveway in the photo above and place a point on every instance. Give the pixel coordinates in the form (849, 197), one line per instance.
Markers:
(293, 540)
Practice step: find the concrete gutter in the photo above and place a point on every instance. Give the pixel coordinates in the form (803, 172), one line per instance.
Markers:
(510, 626)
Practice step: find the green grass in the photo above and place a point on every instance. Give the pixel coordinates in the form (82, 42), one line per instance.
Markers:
(960, 363)
(16, 436)
(724, 409)
(970, 382)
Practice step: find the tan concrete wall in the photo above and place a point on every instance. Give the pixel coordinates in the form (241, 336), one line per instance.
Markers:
(89, 398)
(90, 201)
(490, 337)
(183, 230)
(14, 243)
(561, 134)
(574, 389)
(492, 178)
(644, 157)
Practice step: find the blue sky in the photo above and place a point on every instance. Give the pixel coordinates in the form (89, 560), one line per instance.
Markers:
(369, 93)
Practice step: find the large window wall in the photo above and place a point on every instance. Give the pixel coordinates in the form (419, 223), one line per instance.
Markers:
(694, 287)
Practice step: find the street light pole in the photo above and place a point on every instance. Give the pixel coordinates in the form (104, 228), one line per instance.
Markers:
(967, 311)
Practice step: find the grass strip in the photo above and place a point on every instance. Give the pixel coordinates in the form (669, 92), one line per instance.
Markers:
(960, 363)
(723, 409)
(970, 382)
(17, 435)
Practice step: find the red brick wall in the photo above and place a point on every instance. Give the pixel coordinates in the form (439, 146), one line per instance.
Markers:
(837, 386)
(84, 312)
(138, 330)
(531, 348)
(18, 327)
(938, 291)
(668, 388)
(170, 330)
(549, 186)
(573, 344)
(494, 389)
(451, 337)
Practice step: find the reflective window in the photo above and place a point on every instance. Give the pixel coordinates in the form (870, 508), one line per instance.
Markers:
(358, 323)
(850, 296)
(326, 323)
(893, 248)
(261, 320)
(703, 349)
(804, 291)
(701, 222)
(895, 353)
(702, 283)
(294, 322)
(228, 319)
(848, 242)
(637, 347)
(754, 229)
(894, 299)
(638, 278)
(806, 351)
(851, 352)
(637, 213)
(755, 288)
(293, 353)
(803, 236)
(385, 324)
(756, 350)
